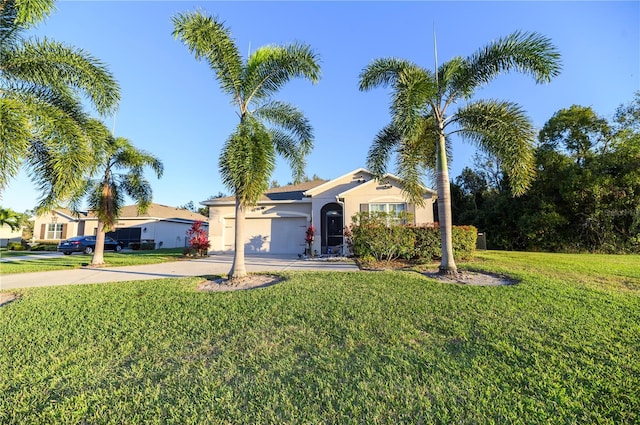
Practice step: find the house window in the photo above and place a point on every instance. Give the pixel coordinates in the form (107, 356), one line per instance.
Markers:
(54, 231)
(393, 209)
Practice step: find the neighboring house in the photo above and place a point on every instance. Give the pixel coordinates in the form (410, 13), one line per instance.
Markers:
(278, 222)
(165, 226)
(7, 234)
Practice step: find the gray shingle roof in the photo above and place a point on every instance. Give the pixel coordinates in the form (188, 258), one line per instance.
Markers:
(292, 192)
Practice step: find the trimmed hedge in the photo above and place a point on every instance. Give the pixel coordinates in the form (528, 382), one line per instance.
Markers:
(372, 237)
(45, 246)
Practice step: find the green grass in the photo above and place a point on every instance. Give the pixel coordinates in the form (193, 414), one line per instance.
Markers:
(563, 346)
(76, 260)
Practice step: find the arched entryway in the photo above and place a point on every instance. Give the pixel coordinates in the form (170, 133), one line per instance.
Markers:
(332, 226)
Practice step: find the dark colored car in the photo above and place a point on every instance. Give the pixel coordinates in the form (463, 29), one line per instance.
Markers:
(87, 244)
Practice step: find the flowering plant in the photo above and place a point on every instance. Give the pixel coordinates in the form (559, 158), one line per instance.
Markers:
(198, 239)
(311, 232)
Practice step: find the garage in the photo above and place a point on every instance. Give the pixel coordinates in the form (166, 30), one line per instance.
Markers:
(272, 235)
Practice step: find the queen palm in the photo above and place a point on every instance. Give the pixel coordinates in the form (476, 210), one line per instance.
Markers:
(121, 166)
(422, 123)
(10, 218)
(42, 122)
(267, 127)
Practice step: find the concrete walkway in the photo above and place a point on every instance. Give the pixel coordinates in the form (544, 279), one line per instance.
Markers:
(219, 264)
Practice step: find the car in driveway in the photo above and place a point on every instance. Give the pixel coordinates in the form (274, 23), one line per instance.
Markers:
(87, 244)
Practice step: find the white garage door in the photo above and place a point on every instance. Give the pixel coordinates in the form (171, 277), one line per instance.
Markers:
(282, 235)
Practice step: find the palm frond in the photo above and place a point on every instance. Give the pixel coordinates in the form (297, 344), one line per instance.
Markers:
(384, 145)
(209, 39)
(9, 29)
(269, 68)
(526, 52)
(53, 64)
(33, 95)
(288, 148)
(503, 130)
(290, 119)
(247, 160)
(137, 188)
(14, 133)
(384, 72)
(31, 12)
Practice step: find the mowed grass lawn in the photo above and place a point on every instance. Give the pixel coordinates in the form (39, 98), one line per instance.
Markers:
(77, 260)
(562, 346)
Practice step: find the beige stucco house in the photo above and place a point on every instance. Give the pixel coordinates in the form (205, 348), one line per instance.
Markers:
(7, 234)
(278, 222)
(165, 226)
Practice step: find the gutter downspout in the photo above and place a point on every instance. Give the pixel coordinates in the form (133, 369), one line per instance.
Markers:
(341, 203)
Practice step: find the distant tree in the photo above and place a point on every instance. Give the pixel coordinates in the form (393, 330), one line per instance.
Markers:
(42, 86)
(421, 125)
(10, 218)
(204, 210)
(121, 168)
(248, 157)
(578, 130)
(189, 206)
(586, 195)
(274, 184)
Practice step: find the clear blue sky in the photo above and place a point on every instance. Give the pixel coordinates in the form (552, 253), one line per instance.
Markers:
(172, 106)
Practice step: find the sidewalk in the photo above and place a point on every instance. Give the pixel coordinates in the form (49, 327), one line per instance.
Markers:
(219, 264)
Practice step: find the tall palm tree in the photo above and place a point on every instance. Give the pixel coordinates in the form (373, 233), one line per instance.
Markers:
(121, 173)
(42, 122)
(267, 127)
(421, 124)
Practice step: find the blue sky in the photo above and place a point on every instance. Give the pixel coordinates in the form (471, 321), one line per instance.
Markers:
(172, 107)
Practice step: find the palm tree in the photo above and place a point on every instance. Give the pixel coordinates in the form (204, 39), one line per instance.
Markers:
(42, 122)
(122, 173)
(10, 218)
(421, 126)
(267, 127)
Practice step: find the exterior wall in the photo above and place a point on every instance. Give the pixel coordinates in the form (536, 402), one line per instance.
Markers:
(320, 198)
(70, 226)
(166, 234)
(8, 235)
(262, 216)
(359, 188)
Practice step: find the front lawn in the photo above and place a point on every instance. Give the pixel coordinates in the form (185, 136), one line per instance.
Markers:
(77, 260)
(562, 346)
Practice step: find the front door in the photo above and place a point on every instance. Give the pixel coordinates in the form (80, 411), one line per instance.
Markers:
(332, 225)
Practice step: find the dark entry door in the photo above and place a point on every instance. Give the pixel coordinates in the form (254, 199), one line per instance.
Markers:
(332, 228)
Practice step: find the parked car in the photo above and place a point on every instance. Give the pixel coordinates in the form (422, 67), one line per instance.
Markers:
(87, 244)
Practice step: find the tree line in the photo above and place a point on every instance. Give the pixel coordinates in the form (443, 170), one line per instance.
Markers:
(585, 196)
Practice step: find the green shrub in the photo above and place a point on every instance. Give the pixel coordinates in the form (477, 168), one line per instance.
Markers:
(45, 246)
(16, 246)
(464, 241)
(427, 245)
(372, 236)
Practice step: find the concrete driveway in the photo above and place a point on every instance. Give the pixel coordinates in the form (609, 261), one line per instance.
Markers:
(219, 264)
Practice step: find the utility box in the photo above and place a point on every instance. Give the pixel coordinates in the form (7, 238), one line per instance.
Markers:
(481, 241)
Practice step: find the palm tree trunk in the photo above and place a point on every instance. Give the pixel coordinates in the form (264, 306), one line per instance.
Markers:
(238, 269)
(448, 264)
(98, 253)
